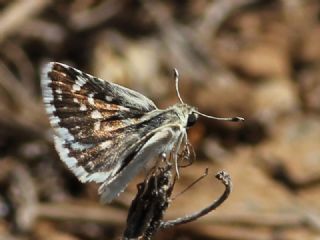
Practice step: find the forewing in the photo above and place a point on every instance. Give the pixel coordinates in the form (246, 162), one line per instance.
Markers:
(93, 120)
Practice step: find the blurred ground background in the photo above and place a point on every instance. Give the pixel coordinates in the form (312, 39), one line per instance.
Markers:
(251, 58)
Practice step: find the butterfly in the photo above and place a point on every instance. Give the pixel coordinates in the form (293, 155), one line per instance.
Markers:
(106, 133)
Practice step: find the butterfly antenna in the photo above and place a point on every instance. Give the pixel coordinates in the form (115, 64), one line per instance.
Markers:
(192, 184)
(232, 119)
(176, 77)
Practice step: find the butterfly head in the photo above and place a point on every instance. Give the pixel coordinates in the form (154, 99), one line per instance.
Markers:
(187, 114)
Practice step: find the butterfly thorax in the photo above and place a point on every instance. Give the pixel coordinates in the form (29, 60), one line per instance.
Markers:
(186, 114)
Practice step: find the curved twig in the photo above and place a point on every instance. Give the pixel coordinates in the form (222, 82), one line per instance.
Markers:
(226, 180)
(152, 200)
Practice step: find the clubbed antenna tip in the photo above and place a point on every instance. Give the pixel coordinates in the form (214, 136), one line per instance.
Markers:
(237, 119)
(175, 73)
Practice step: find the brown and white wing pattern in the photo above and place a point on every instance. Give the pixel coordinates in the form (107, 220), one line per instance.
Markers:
(93, 121)
(104, 132)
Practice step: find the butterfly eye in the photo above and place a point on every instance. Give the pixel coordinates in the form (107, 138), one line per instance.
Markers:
(192, 118)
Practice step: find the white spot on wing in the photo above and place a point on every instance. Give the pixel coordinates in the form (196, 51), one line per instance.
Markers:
(47, 96)
(96, 114)
(105, 144)
(64, 152)
(83, 107)
(75, 88)
(79, 146)
(90, 98)
(50, 108)
(54, 121)
(75, 100)
(90, 165)
(109, 99)
(64, 133)
(58, 91)
(97, 126)
(98, 177)
(123, 108)
(80, 81)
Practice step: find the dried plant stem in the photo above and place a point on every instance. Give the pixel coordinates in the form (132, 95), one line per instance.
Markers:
(149, 205)
(226, 180)
(152, 200)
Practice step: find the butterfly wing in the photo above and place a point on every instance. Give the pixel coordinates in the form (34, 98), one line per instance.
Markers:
(94, 121)
(167, 140)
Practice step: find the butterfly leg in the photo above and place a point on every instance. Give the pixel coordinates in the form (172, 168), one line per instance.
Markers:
(175, 153)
